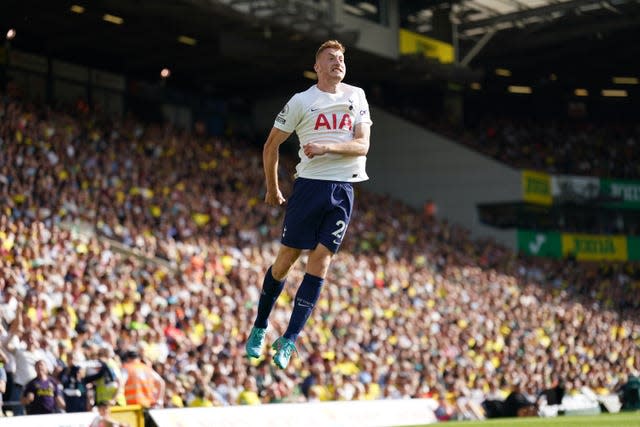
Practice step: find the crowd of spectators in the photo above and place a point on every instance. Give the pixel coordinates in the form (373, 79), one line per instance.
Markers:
(413, 307)
(574, 147)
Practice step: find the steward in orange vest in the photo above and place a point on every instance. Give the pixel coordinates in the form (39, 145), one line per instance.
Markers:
(143, 386)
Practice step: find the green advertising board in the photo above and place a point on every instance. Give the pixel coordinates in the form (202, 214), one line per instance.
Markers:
(633, 246)
(625, 193)
(540, 243)
(582, 247)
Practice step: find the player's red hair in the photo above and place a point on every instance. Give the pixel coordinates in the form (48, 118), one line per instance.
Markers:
(330, 44)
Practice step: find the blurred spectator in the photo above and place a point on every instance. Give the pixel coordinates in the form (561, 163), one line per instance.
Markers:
(429, 210)
(74, 390)
(173, 395)
(202, 398)
(517, 404)
(249, 393)
(3, 377)
(10, 396)
(630, 394)
(107, 381)
(142, 385)
(27, 353)
(445, 411)
(554, 394)
(43, 394)
(222, 390)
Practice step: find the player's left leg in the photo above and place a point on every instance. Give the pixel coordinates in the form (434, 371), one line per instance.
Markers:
(309, 290)
(272, 286)
(305, 300)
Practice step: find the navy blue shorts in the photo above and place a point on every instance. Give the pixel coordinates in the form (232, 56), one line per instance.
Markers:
(317, 212)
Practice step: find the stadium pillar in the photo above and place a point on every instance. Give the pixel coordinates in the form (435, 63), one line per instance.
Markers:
(441, 22)
(49, 88)
(453, 105)
(4, 66)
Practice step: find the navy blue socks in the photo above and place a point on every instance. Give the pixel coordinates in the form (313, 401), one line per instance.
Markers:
(306, 298)
(271, 289)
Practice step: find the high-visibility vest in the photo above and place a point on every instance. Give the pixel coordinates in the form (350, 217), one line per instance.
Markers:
(107, 389)
(139, 388)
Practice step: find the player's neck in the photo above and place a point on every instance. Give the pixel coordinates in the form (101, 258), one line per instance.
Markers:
(328, 86)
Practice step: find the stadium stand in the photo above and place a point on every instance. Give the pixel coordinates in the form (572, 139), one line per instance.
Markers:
(559, 145)
(120, 236)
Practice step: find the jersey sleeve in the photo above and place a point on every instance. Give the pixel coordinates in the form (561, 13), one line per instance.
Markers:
(362, 114)
(57, 389)
(288, 118)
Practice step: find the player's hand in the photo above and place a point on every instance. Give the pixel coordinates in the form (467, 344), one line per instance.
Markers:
(274, 198)
(313, 149)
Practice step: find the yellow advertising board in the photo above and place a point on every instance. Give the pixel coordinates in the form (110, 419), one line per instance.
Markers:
(130, 415)
(536, 187)
(412, 43)
(592, 247)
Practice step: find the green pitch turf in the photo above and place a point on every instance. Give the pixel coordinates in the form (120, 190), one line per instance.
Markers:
(627, 419)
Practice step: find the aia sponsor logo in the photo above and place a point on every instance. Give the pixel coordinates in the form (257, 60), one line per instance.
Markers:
(333, 121)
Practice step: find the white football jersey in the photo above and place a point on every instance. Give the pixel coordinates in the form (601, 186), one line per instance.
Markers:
(318, 116)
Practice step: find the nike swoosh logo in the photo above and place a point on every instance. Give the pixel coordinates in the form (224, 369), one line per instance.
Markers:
(313, 109)
(304, 303)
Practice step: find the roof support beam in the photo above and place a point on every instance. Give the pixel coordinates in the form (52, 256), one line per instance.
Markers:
(529, 41)
(523, 14)
(477, 47)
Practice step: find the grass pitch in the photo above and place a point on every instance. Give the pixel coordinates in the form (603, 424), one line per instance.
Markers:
(626, 419)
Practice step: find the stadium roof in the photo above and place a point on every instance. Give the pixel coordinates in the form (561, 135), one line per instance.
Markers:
(588, 37)
(215, 45)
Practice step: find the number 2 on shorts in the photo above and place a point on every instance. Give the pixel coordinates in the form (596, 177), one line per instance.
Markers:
(338, 233)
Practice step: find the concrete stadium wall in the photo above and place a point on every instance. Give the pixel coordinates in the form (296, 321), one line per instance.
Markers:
(374, 38)
(412, 164)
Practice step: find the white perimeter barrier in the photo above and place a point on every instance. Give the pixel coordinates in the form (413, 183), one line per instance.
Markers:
(368, 413)
(80, 419)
